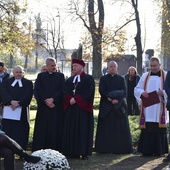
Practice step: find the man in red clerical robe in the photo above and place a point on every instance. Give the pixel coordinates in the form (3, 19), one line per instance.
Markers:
(78, 106)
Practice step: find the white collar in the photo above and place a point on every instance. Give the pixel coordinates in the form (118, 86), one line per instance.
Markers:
(15, 81)
(77, 77)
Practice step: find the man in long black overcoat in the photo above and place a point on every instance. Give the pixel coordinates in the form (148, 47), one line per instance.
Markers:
(49, 119)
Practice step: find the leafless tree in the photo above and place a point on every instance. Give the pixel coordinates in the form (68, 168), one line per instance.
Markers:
(165, 36)
(94, 9)
(134, 17)
(51, 37)
(138, 36)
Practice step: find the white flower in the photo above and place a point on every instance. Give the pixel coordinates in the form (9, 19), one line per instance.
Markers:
(50, 160)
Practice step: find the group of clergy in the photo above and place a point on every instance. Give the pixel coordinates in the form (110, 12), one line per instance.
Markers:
(64, 119)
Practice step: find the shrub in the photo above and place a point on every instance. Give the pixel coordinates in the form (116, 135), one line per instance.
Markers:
(134, 129)
(33, 104)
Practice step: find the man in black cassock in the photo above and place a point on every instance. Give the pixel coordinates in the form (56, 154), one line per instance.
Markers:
(17, 92)
(113, 132)
(49, 119)
(78, 106)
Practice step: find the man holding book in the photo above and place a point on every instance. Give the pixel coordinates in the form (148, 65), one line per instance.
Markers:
(153, 116)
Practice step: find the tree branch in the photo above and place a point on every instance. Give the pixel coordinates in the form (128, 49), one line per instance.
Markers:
(124, 25)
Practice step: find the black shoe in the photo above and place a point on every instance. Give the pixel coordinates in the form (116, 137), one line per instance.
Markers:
(167, 159)
(73, 156)
(147, 154)
(32, 159)
(84, 157)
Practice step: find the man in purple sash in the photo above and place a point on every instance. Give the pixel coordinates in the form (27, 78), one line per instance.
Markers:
(153, 118)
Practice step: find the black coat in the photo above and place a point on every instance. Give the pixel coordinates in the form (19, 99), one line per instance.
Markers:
(113, 133)
(6, 76)
(135, 82)
(49, 121)
(167, 89)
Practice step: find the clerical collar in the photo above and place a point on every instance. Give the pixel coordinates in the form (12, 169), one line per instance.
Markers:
(156, 74)
(76, 79)
(15, 82)
(112, 75)
(50, 72)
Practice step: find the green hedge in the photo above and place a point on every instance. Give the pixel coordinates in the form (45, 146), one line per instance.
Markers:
(134, 129)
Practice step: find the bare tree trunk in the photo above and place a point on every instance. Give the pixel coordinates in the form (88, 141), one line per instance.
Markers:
(139, 54)
(138, 37)
(36, 60)
(97, 58)
(96, 34)
(26, 62)
(11, 61)
(95, 29)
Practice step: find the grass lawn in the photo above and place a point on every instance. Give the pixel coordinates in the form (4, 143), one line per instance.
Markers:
(106, 161)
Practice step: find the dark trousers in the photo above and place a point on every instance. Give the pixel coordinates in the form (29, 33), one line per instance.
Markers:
(132, 105)
(8, 147)
(8, 156)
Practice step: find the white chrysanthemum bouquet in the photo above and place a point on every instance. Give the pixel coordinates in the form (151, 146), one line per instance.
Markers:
(50, 160)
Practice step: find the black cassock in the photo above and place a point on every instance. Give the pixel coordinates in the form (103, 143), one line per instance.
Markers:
(113, 133)
(17, 130)
(49, 121)
(79, 122)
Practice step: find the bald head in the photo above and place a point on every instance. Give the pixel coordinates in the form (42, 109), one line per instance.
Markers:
(18, 72)
(112, 67)
(43, 68)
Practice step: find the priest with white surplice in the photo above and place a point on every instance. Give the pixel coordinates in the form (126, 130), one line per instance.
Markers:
(154, 118)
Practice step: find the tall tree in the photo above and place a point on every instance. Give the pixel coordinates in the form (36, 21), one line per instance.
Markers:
(165, 36)
(12, 36)
(96, 33)
(135, 17)
(138, 36)
(54, 39)
(95, 24)
(38, 32)
(28, 42)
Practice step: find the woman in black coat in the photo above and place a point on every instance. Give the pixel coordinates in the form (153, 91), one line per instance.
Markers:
(131, 80)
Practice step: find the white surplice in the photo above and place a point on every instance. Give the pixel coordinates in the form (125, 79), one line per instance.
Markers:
(152, 113)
